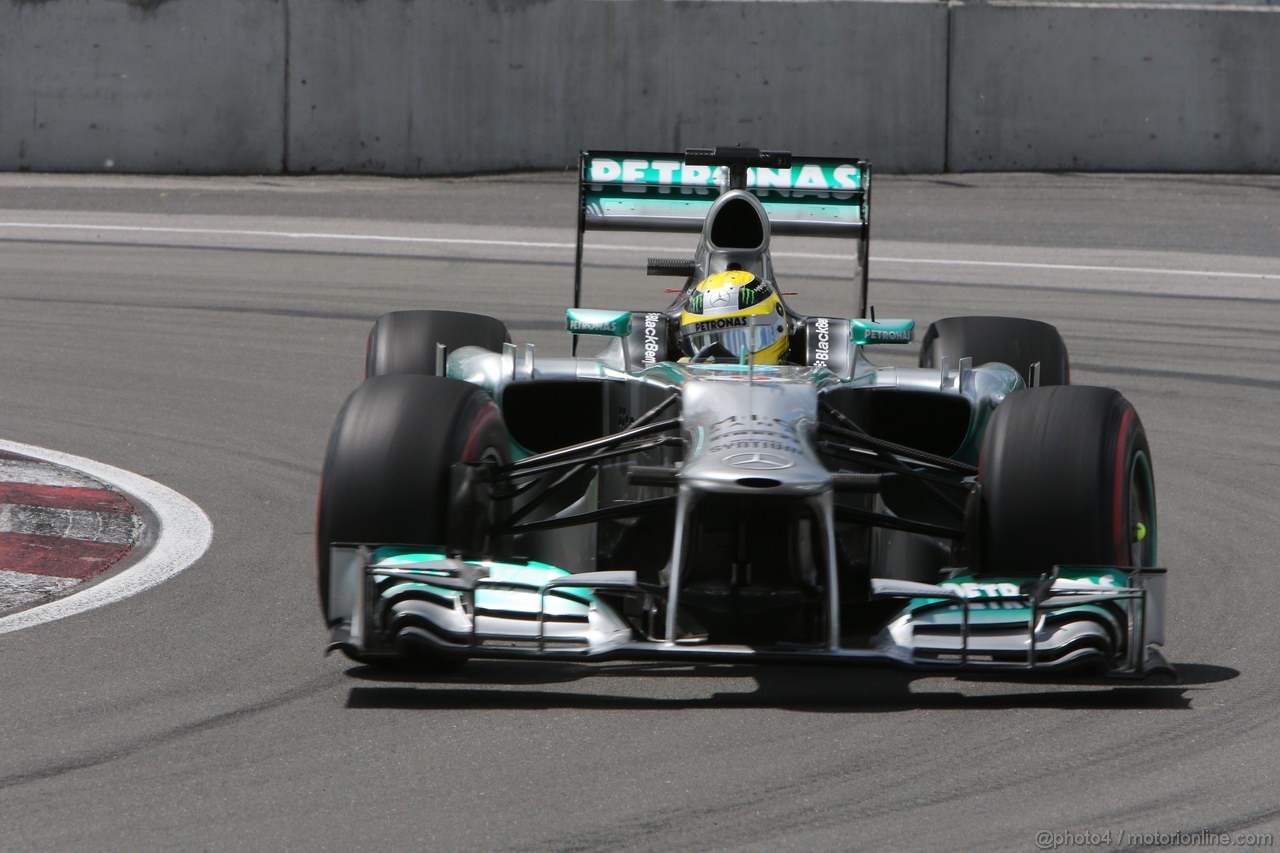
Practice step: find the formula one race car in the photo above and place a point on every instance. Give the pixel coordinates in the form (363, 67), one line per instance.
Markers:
(729, 480)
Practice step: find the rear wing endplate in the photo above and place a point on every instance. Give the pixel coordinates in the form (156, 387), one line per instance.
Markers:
(652, 191)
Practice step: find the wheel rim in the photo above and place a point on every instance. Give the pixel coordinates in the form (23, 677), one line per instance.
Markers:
(1142, 512)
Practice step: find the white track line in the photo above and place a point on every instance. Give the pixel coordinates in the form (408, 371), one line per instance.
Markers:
(1075, 267)
(530, 244)
(287, 235)
(184, 535)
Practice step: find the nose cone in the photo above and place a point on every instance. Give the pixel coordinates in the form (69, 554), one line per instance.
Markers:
(751, 436)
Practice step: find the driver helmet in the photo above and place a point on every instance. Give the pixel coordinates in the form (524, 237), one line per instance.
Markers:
(738, 311)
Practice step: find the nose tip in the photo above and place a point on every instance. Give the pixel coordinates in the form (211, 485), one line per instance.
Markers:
(759, 482)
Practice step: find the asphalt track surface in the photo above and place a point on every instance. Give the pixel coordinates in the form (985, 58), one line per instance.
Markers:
(204, 332)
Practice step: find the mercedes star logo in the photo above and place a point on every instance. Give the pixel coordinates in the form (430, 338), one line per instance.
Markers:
(758, 461)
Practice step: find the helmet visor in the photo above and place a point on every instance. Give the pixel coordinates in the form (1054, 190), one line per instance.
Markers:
(740, 342)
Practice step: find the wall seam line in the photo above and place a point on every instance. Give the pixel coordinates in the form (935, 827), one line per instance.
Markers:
(947, 95)
(285, 129)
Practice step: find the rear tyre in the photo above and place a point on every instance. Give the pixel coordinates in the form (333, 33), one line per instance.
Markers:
(1065, 479)
(387, 471)
(405, 341)
(1013, 341)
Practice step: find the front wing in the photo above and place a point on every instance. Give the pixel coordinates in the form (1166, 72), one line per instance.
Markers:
(392, 600)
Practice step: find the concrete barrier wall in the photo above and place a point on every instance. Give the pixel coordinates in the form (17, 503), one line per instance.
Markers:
(142, 86)
(431, 87)
(1115, 88)
(424, 86)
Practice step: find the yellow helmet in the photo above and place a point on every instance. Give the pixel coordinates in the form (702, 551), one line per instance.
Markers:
(738, 311)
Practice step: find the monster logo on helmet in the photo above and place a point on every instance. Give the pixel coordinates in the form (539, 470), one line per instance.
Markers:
(739, 312)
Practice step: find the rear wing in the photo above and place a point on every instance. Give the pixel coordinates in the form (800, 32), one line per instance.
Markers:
(652, 191)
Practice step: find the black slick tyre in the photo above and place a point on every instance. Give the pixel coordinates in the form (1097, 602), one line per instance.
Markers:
(1014, 341)
(387, 470)
(1065, 479)
(405, 341)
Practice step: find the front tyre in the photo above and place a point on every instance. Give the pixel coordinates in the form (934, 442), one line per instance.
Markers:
(387, 471)
(1065, 479)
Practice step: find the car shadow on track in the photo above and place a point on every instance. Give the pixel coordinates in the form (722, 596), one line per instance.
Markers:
(523, 685)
